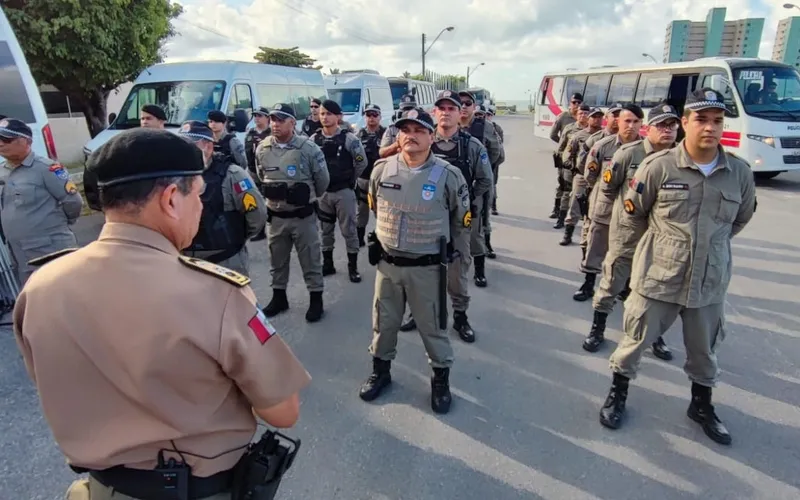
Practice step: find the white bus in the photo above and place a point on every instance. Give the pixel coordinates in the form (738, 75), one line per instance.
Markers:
(763, 98)
(482, 96)
(424, 92)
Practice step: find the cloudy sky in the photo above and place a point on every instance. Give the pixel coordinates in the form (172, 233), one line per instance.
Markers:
(519, 40)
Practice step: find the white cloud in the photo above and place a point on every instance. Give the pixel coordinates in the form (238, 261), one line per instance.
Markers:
(519, 40)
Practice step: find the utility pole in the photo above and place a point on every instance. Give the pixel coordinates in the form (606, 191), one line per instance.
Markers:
(423, 55)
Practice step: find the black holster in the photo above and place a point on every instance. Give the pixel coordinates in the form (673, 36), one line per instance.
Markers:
(258, 474)
(374, 249)
(557, 160)
(583, 204)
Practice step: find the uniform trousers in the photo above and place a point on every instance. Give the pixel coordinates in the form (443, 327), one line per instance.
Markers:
(646, 319)
(596, 248)
(616, 272)
(579, 187)
(566, 181)
(394, 286)
(340, 206)
(303, 235)
(38, 246)
(477, 232)
(362, 213)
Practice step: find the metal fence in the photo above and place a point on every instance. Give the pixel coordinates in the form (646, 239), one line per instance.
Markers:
(449, 82)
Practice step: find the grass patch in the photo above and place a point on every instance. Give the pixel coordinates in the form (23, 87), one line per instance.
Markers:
(74, 168)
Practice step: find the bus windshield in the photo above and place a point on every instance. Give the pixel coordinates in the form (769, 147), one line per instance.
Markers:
(348, 99)
(181, 101)
(771, 93)
(399, 89)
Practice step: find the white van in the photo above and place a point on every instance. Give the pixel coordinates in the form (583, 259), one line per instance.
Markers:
(189, 90)
(19, 94)
(424, 92)
(353, 90)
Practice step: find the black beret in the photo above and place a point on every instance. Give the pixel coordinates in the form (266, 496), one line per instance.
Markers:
(144, 153)
(157, 111)
(332, 107)
(217, 116)
(636, 110)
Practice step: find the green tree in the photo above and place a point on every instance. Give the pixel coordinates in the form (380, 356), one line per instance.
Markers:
(87, 48)
(285, 57)
(406, 74)
(335, 71)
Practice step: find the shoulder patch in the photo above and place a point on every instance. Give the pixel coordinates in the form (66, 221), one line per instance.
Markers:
(44, 259)
(212, 269)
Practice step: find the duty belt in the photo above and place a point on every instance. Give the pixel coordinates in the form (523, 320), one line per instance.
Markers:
(149, 484)
(300, 213)
(425, 260)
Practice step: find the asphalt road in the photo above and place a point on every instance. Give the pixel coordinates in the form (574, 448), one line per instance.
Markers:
(524, 419)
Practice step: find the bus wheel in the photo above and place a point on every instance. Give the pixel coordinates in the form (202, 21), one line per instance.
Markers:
(763, 176)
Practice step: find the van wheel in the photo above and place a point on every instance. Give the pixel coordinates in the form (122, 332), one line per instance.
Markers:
(763, 176)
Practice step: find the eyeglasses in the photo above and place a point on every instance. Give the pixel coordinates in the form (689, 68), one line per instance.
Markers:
(667, 125)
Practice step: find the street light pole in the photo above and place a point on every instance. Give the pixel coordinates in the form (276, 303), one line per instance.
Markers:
(425, 51)
(645, 54)
(469, 71)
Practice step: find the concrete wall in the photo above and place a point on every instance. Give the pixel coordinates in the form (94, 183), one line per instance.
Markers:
(70, 134)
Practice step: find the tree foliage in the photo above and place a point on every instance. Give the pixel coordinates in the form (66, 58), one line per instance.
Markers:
(285, 57)
(335, 71)
(435, 78)
(87, 48)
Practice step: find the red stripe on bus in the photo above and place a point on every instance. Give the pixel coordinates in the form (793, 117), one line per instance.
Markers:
(730, 143)
(545, 123)
(729, 134)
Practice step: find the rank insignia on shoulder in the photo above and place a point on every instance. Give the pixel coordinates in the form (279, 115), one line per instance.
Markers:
(467, 221)
(592, 166)
(220, 272)
(370, 201)
(629, 208)
(359, 158)
(607, 176)
(44, 259)
(249, 202)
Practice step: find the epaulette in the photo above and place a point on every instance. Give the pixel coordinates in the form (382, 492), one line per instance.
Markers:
(44, 259)
(737, 157)
(212, 269)
(630, 145)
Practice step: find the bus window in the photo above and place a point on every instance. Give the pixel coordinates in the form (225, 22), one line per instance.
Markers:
(14, 100)
(574, 84)
(596, 90)
(772, 93)
(653, 88)
(717, 79)
(240, 98)
(623, 87)
(399, 89)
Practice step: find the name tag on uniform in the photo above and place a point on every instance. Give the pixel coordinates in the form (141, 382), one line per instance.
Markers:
(634, 166)
(389, 185)
(271, 169)
(675, 185)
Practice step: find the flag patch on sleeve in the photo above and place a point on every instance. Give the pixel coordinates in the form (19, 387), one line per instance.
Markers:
(636, 185)
(242, 186)
(261, 327)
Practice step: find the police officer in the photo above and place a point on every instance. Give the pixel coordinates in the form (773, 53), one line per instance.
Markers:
(294, 175)
(152, 116)
(39, 201)
(311, 124)
(370, 137)
(629, 123)
(251, 140)
(683, 207)
(490, 112)
(582, 120)
(572, 172)
(233, 208)
(346, 160)
(389, 144)
(663, 123)
(232, 366)
(432, 199)
(226, 142)
(562, 121)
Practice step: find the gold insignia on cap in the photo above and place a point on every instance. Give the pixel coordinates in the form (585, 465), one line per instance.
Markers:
(212, 269)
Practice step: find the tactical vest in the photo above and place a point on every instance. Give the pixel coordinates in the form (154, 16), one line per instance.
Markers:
(458, 156)
(371, 143)
(310, 127)
(223, 147)
(338, 159)
(220, 230)
(412, 211)
(251, 141)
(477, 129)
(284, 174)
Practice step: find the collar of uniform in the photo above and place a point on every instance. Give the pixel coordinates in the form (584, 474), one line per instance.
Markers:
(28, 161)
(295, 142)
(428, 162)
(648, 146)
(687, 162)
(139, 235)
(439, 137)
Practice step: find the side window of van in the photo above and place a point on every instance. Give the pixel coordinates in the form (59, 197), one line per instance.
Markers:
(270, 95)
(241, 98)
(14, 100)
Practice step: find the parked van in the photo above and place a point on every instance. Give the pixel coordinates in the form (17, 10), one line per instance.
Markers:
(19, 94)
(424, 92)
(353, 90)
(189, 90)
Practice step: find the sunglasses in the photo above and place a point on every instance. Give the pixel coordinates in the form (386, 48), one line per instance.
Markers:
(8, 140)
(314, 106)
(373, 115)
(467, 103)
(577, 102)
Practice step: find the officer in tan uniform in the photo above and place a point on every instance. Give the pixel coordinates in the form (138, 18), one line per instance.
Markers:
(582, 121)
(681, 210)
(571, 169)
(663, 123)
(185, 380)
(490, 113)
(629, 123)
(562, 121)
(293, 176)
(431, 198)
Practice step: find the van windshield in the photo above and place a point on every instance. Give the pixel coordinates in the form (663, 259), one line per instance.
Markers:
(181, 101)
(769, 92)
(348, 99)
(399, 89)
(14, 101)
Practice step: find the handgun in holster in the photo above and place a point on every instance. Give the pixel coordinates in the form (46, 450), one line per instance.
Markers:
(258, 474)
(583, 204)
(557, 160)
(374, 249)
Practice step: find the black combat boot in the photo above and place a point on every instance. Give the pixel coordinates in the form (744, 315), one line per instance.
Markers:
(379, 379)
(702, 411)
(567, 239)
(562, 215)
(408, 325)
(489, 250)
(315, 310)
(352, 267)
(277, 305)
(586, 291)
(440, 390)
(480, 271)
(327, 263)
(462, 326)
(596, 334)
(362, 231)
(661, 351)
(494, 206)
(261, 236)
(554, 213)
(613, 409)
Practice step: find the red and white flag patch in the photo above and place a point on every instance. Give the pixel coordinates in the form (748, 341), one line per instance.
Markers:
(261, 327)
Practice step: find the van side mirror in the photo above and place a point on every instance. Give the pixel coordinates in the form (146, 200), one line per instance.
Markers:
(111, 118)
(238, 122)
